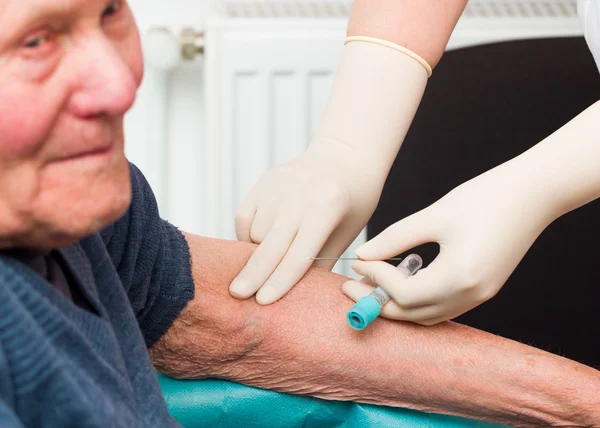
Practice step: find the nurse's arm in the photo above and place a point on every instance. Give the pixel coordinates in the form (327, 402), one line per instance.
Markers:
(423, 26)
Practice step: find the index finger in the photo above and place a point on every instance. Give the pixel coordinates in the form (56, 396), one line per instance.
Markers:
(264, 261)
(426, 287)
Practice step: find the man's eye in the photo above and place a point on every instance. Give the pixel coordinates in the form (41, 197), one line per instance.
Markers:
(112, 9)
(36, 42)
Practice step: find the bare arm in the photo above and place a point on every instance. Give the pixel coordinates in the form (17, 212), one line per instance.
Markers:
(303, 345)
(423, 26)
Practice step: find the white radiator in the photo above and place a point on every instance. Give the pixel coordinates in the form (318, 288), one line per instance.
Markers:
(268, 67)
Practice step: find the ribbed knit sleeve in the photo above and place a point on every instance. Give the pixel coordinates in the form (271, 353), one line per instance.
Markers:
(152, 259)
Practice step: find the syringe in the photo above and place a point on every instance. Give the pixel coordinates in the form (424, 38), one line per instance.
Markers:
(369, 307)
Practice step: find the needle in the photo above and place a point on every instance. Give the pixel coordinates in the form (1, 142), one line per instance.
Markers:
(345, 258)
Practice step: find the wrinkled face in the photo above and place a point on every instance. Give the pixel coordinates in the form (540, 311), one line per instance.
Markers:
(69, 70)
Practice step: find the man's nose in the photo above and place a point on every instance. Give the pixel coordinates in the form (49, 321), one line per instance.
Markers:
(104, 81)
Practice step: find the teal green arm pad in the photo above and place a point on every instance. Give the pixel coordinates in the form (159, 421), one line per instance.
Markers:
(219, 403)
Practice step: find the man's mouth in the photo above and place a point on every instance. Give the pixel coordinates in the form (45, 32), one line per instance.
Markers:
(97, 152)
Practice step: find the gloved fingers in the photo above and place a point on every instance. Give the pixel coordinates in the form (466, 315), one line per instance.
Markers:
(428, 286)
(244, 218)
(290, 270)
(417, 315)
(337, 243)
(263, 221)
(451, 308)
(356, 290)
(442, 316)
(435, 321)
(310, 238)
(398, 238)
(264, 261)
(445, 311)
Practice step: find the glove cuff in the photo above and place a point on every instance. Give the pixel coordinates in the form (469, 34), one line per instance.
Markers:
(375, 94)
(395, 46)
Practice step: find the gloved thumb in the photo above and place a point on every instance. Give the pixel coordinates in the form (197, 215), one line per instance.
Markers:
(400, 237)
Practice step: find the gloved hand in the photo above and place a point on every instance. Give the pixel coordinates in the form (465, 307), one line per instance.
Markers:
(484, 228)
(317, 204)
(313, 205)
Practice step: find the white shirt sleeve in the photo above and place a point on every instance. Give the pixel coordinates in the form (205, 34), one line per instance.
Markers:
(589, 16)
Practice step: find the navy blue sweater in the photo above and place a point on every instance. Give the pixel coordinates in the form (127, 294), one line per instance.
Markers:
(64, 366)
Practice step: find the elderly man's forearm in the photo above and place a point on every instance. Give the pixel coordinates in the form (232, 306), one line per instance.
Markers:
(303, 345)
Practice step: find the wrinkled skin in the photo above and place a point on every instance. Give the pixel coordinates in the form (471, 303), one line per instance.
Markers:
(69, 70)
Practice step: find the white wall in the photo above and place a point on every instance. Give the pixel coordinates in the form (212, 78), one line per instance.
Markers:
(153, 138)
(172, 13)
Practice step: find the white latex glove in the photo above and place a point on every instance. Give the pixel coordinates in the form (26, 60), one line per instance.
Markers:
(313, 205)
(484, 228)
(317, 204)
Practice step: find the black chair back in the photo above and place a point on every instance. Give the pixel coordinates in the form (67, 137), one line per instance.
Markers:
(483, 106)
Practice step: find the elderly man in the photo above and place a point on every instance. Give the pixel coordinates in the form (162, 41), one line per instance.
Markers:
(91, 277)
